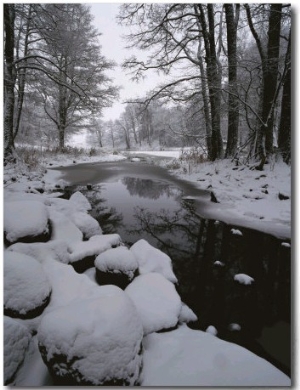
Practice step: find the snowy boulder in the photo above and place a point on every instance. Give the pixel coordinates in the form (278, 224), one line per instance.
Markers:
(16, 340)
(83, 254)
(186, 357)
(86, 224)
(116, 266)
(63, 228)
(156, 300)
(151, 259)
(93, 342)
(243, 279)
(26, 288)
(82, 204)
(41, 251)
(26, 221)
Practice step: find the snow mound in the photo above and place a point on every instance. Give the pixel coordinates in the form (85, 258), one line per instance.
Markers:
(16, 341)
(93, 342)
(286, 244)
(86, 224)
(211, 330)
(156, 300)
(94, 246)
(117, 259)
(63, 228)
(186, 314)
(26, 287)
(186, 357)
(82, 204)
(236, 232)
(41, 251)
(219, 263)
(234, 327)
(151, 259)
(23, 219)
(243, 279)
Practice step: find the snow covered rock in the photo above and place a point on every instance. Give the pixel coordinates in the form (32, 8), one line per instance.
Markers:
(236, 232)
(93, 342)
(151, 259)
(186, 315)
(63, 228)
(186, 357)
(211, 330)
(156, 300)
(82, 204)
(16, 341)
(243, 279)
(83, 254)
(41, 251)
(25, 221)
(86, 224)
(116, 266)
(26, 288)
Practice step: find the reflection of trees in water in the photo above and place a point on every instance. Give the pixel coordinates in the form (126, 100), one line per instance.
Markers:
(195, 244)
(146, 188)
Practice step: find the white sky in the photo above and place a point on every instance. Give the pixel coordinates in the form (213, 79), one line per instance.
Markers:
(113, 48)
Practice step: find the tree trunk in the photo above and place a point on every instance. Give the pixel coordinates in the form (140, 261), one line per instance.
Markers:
(284, 133)
(233, 103)
(214, 81)
(9, 80)
(22, 77)
(271, 74)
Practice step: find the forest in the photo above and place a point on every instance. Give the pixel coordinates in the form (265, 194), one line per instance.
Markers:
(227, 72)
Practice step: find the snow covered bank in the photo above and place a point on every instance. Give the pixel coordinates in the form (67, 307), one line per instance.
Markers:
(91, 333)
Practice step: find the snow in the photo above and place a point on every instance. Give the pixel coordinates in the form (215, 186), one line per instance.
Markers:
(117, 259)
(86, 224)
(234, 188)
(212, 330)
(219, 263)
(16, 341)
(94, 246)
(286, 244)
(236, 232)
(186, 314)
(243, 279)
(151, 259)
(41, 251)
(186, 357)
(25, 284)
(156, 300)
(234, 327)
(99, 338)
(24, 218)
(81, 201)
(63, 228)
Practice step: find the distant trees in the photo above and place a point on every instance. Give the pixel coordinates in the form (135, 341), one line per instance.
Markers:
(53, 50)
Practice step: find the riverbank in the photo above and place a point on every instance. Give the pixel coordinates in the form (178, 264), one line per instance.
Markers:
(201, 358)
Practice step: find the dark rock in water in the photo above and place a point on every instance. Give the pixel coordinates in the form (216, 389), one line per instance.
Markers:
(213, 198)
(282, 196)
(89, 187)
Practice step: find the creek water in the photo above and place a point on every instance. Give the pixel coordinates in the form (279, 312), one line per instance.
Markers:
(138, 200)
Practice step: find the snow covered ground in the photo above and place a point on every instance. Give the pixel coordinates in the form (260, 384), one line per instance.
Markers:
(180, 357)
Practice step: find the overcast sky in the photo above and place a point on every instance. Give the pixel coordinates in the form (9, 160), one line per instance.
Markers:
(113, 48)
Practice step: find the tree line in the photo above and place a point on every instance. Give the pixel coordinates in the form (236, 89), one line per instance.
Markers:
(54, 72)
(227, 72)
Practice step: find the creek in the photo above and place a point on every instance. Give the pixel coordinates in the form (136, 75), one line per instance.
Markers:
(140, 200)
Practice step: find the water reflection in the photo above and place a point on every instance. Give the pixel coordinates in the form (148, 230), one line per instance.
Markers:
(206, 255)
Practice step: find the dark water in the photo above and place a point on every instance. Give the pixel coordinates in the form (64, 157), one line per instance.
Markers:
(205, 253)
